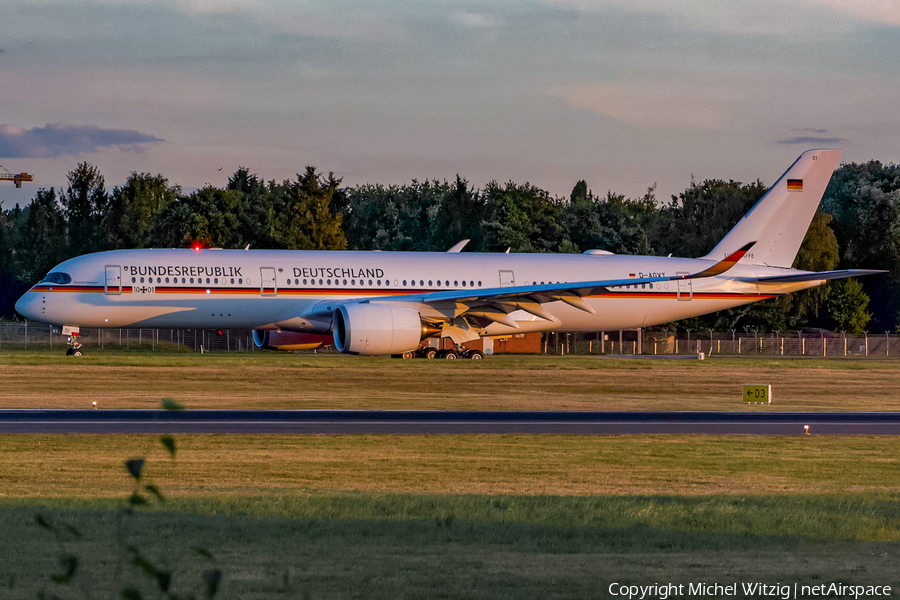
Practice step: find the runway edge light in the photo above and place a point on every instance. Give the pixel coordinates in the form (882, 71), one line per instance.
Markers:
(757, 394)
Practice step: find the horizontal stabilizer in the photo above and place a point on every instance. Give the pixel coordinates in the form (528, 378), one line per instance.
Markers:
(819, 276)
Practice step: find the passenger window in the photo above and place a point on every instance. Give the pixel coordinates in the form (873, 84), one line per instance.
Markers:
(345, 282)
(439, 283)
(241, 280)
(142, 280)
(329, 282)
(464, 283)
(370, 283)
(216, 280)
(192, 280)
(134, 280)
(479, 284)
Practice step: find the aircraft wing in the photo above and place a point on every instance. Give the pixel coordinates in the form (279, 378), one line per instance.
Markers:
(495, 304)
(814, 276)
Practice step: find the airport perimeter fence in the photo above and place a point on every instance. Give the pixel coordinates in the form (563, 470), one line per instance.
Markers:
(41, 337)
(633, 342)
(37, 336)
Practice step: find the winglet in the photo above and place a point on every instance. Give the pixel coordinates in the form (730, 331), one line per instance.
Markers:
(724, 264)
(458, 246)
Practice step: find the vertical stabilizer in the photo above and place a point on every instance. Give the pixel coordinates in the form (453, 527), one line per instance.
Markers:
(779, 221)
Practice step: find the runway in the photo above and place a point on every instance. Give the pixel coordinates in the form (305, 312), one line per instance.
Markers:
(444, 422)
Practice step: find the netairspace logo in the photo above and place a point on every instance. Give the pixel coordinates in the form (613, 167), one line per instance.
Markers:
(666, 591)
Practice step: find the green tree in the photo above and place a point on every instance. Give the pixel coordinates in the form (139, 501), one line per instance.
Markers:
(865, 201)
(209, 217)
(698, 218)
(523, 218)
(255, 208)
(458, 217)
(134, 208)
(42, 240)
(304, 218)
(847, 304)
(85, 203)
(376, 217)
(614, 222)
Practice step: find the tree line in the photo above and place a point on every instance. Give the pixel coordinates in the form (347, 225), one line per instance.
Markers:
(858, 226)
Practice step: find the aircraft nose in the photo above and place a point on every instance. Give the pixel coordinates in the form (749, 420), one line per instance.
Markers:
(27, 305)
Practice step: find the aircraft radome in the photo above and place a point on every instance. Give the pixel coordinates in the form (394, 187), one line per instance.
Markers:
(381, 303)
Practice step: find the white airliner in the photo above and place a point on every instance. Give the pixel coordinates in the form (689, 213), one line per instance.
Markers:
(381, 303)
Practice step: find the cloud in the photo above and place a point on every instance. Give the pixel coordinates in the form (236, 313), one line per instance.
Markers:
(658, 104)
(811, 130)
(64, 139)
(473, 20)
(803, 139)
(801, 18)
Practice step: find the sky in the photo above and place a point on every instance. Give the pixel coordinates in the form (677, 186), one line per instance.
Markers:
(624, 94)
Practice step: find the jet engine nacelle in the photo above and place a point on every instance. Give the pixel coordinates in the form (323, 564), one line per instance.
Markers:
(272, 339)
(377, 329)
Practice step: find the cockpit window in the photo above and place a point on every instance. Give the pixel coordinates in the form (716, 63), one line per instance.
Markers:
(61, 278)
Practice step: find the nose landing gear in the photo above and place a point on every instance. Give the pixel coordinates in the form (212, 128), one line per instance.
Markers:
(74, 346)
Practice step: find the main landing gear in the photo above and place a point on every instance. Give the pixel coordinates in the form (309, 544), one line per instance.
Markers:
(449, 353)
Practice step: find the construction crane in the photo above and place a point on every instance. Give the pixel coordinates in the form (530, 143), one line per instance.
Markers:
(16, 178)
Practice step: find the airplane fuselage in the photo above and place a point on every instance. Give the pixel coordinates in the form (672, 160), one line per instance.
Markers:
(298, 290)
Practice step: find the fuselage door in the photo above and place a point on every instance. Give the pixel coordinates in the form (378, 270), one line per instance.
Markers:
(685, 289)
(268, 286)
(113, 280)
(507, 279)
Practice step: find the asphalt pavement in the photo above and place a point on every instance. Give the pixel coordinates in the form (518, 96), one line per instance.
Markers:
(751, 422)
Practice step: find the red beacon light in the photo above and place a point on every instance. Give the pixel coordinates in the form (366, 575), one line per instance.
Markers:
(197, 247)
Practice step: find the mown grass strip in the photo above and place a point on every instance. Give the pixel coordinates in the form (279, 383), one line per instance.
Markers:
(214, 465)
(396, 545)
(273, 380)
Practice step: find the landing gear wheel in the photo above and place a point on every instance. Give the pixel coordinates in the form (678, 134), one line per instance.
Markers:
(407, 355)
(451, 355)
(476, 355)
(431, 353)
(75, 349)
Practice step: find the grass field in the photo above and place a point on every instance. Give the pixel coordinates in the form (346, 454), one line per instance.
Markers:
(270, 380)
(449, 516)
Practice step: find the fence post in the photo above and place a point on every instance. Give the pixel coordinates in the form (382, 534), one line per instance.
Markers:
(26, 335)
(887, 343)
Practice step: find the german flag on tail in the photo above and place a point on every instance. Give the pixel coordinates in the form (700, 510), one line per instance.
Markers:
(723, 265)
(795, 185)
